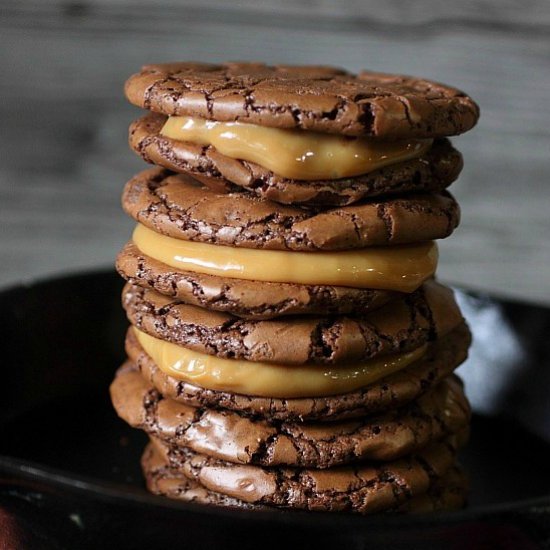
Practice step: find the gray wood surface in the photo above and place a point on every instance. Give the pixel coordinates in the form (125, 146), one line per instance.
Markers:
(64, 120)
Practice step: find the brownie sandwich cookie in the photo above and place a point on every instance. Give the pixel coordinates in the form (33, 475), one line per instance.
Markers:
(210, 249)
(235, 124)
(449, 492)
(364, 488)
(289, 346)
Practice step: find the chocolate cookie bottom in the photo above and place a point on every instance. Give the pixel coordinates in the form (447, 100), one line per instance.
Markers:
(423, 493)
(432, 172)
(247, 299)
(226, 435)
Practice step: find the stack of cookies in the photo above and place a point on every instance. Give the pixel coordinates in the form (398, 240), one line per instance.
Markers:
(289, 346)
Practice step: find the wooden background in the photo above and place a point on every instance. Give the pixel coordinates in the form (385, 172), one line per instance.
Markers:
(64, 120)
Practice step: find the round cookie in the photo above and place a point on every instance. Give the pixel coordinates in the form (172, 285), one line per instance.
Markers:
(246, 299)
(362, 488)
(179, 206)
(322, 99)
(433, 171)
(447, 493)
(401, 325)
(226, 435)
(393, 391)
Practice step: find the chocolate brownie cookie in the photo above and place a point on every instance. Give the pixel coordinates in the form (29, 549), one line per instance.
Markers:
(395, 390)
(181, 207)
(363, 488)
(447, 493)
(243, 298)
(322, 99)
(226, 435)
(401, 325)
(432, 171)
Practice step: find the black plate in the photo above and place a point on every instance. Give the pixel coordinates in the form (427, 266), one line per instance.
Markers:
(69, 468)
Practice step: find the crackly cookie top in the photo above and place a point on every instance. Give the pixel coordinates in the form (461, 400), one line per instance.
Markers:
(445, 493)
(179, 206)
(323, 99)
(226, 435)
(400, 326)
(368, 487)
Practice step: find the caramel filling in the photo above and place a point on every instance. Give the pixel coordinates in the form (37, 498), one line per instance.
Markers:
(294, 153)
(265, 379)
(401, 268)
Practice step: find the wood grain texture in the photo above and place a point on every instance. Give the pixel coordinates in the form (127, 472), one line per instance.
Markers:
(64, 120)
(506, 13)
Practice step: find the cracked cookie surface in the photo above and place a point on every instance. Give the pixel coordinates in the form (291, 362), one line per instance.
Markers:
(365, 488)
(179, 206)
(323, 99)
(244, 298)
(226, 435)
(401, 325)
(447, 493)
(433, 171)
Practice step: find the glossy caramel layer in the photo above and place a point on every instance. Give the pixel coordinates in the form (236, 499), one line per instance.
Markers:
(402, 268)
(265, 379)
(294, 153)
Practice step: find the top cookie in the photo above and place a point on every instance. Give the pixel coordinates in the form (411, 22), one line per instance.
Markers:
(322, 99)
